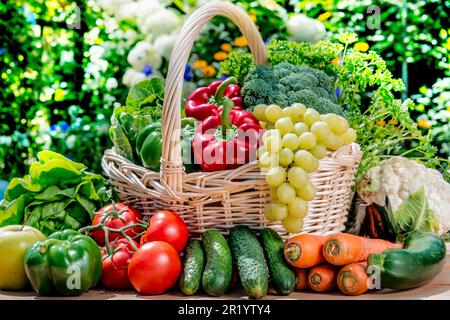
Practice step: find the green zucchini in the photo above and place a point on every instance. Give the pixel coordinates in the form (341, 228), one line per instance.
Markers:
(218, 271)
(194, 263)
(282, 276)
(421, 261)
(250, 261)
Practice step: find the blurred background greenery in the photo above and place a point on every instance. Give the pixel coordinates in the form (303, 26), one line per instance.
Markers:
(65, 64)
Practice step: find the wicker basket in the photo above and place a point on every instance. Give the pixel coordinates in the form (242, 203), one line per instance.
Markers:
(223, 199)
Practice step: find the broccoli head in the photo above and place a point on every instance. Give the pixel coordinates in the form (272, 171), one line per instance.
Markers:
(286, 84)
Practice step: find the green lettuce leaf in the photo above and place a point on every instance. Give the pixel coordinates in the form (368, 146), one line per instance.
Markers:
(20, 186)
(12, 212)
(58, 193)
(55, 172)
(47, 155)
(145, 93)
(415, 214)
(55, 193)
(120, 139)
(88, 205)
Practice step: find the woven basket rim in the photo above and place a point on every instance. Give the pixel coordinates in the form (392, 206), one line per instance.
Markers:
(349, 153)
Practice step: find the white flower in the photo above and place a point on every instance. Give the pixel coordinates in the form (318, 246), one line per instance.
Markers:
(66, 56)
(70, 141)
(127, 11)
(146, 9)
(144, 54)
(131, 77)
(302, 28)
(164, 44)
(96, 51)
(130, 36)
(161, 22)
(111, 83)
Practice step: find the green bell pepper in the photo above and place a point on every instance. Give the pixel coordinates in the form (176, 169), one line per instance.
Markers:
(149, 145)
(67, 263)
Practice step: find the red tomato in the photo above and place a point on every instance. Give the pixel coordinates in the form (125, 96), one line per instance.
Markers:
(115, 266)
(119, 216)
(167, 226)
(154, 268)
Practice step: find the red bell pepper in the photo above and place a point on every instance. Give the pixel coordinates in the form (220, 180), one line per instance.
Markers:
(226, 140)
(206, 101)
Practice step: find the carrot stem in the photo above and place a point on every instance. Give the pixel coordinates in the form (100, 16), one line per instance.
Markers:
(304, 250)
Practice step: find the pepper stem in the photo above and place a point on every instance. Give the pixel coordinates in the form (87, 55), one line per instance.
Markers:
(227, 106)
(221, 89)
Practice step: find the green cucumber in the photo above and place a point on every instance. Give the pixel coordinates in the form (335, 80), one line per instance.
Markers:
(219, 264)
(250, 261)
(421, 261)
(194, 263)
(281, 274)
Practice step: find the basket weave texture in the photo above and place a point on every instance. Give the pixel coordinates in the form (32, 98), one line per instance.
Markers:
(223, 199)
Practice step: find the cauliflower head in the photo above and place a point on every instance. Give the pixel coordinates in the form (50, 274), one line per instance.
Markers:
(393, 180)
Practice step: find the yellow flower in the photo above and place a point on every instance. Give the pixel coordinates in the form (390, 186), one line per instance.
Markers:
(324, 16)
(220, 56)
(336, 61)
(361, 46)
(447, 44)
(448, 109)
(226, 47)
(381, 123)
(98, 41)
(424, 124)
(209, 71)
(199, 64)
(423, 90)
(240, 42)
(252, 16)
(394, 122)
(421, 107)
(59, 94)
(327, 2)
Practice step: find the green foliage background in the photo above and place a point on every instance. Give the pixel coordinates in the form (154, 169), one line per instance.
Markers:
(58, 94)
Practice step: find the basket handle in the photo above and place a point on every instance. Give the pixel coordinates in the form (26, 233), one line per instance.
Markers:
(171, 161)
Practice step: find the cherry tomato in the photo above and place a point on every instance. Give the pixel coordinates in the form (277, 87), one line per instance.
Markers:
(119, 216)
(167, 226)
(154, 268)
(115, 265)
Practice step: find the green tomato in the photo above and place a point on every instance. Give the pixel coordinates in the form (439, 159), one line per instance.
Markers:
(14, 242)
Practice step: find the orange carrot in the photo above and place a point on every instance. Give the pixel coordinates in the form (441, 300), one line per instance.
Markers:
(322, 278)
(352, 279)
(302, 279)
(304, 250)
(344, 248)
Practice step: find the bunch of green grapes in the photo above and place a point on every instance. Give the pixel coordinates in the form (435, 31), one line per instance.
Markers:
(296, 138)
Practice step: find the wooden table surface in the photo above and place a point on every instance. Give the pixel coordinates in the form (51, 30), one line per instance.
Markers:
(437, 289)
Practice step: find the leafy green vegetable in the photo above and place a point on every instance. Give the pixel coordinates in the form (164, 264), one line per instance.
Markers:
(369, 92)
(143, 107)
(318, 56)
(146, 93)
(414, 214)
(57, 194)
